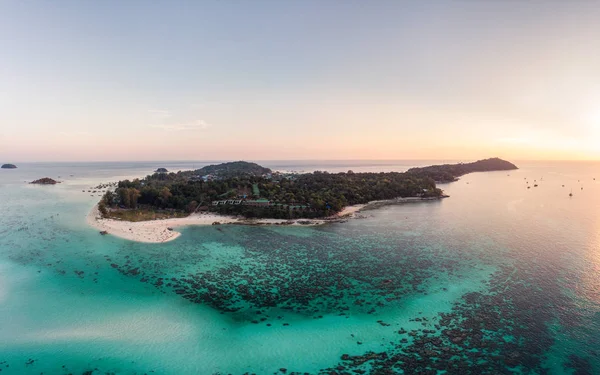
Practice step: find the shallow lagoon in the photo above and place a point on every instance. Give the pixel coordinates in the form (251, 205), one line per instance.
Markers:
(497, 278)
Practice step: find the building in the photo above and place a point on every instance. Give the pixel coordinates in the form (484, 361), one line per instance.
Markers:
(257, 202)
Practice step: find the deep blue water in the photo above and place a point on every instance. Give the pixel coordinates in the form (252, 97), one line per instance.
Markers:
(497, 278)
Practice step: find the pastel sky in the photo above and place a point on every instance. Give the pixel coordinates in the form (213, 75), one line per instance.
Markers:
(270, 79)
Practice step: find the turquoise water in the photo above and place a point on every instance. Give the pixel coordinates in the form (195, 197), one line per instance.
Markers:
(496, 279)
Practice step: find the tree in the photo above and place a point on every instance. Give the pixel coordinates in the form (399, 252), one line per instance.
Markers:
(164, 196)
(191, 207)
(128, 197)
(134, 195)
(102, 208)
(124, 197)
(109, 198)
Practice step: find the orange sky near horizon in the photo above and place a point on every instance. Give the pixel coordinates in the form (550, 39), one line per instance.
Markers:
(441, 80)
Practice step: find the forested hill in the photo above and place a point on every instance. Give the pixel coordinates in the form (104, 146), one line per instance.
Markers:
(450, 172)
(233, 169)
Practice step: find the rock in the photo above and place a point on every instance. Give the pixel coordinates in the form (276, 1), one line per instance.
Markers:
(103, 232)
(45, 181)
(8, 166)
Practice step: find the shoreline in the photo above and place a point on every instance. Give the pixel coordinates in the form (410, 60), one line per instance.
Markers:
(159, 231)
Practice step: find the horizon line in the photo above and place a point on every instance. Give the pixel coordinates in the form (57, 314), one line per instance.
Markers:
(288, 160)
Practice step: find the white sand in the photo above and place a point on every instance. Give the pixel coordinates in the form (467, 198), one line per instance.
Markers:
(350, 210)
(153, 231)
(156, 231)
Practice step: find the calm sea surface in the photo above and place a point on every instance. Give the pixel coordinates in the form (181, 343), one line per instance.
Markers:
(496, 279)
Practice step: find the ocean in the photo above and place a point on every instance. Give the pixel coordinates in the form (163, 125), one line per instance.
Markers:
(496, 279)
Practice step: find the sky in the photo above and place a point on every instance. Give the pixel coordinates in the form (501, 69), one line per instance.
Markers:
(299, 79)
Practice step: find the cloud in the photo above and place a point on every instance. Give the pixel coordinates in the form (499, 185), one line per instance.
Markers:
(162, 113)
(187, 126)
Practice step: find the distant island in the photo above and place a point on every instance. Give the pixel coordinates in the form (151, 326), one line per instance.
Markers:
(8, 166)
(45, 181)
(162, 170)
(451, 172)
(252, 191)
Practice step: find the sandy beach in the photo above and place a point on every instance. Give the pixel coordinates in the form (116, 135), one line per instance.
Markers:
(154, 231)
(157, 231)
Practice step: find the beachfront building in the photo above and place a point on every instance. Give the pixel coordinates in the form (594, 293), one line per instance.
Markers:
(257, 202)
(261, 202)
(249, 202)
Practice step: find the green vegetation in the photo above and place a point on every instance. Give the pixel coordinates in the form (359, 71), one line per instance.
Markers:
(309, 195)
(233, 169)
(131, 210)
(450, 172)
(144, 214)
(255, 190)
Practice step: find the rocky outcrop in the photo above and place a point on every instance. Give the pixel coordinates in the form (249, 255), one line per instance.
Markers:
(45, 181)
(8, 166)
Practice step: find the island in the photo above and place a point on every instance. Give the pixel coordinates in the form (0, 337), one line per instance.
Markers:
(247, 193)
(45, 181)
(8, 166)
(451, 172)
(161, 170)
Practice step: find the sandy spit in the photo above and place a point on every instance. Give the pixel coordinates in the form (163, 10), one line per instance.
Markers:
(158, 231)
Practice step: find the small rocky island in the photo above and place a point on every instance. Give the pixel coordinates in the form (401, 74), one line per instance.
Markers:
(8, 166)
(45, 181)
(162, 170)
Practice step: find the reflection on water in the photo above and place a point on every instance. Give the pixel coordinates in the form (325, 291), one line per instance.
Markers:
(498, 278)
